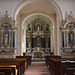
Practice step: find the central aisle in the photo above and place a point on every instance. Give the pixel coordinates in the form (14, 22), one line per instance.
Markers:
(37, 68)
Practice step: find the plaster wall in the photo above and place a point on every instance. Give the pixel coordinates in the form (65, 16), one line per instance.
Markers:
(64, 5)
(9, 5)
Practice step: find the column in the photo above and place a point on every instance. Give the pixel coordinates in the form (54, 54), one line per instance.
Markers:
(18, 35)
(24, 41)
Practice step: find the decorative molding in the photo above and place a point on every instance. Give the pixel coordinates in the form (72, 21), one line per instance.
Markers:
(68, 27)
(7, 29)
(38, 30)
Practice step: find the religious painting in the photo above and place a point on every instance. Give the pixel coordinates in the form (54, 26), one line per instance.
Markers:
(71, 38)
(38, 41)
(6, 38)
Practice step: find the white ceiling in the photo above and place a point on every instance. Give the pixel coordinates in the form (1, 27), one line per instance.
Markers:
(43, 19)
(37, 6)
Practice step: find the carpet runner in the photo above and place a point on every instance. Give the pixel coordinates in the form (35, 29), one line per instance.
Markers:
(37, 68)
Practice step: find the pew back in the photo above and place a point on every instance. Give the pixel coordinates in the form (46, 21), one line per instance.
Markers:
(57, 67)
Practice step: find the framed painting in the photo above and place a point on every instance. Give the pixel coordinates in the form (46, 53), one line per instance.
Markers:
(38, 41)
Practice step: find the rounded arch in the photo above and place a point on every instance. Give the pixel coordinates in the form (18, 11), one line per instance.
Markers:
(22, 3)
(58, 19)
(42, 14)
(45, 19)
(68, 22)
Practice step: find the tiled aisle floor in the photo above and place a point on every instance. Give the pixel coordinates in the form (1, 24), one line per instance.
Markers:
(37, 68)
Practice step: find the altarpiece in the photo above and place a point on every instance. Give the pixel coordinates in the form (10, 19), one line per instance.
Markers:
(68, 34)
(7, 34)
(38, 36)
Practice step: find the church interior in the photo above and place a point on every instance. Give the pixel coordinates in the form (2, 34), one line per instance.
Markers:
(37, 37)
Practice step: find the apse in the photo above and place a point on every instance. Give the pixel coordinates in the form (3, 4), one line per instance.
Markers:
(38, 33)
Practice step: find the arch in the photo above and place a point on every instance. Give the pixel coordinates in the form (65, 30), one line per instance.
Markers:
(68, 22)
(58, 12)
(49, 17)
(22, 3)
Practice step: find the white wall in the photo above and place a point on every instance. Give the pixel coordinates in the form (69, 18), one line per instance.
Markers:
(9, 5)
(66, 6)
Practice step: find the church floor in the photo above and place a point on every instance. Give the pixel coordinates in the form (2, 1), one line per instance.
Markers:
(37, 68)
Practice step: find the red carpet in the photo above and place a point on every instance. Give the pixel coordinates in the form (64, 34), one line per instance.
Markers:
(37, 68)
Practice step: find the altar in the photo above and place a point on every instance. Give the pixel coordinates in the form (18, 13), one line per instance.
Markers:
(38, 54)
(38, 39)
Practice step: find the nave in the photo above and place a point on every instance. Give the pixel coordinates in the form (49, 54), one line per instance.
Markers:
(38, 68)
(23, 65)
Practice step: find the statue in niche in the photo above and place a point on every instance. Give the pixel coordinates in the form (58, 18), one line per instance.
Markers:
(47, 27)
(71, 38)
(6, 39)
(38, 26)
(47, 43)
(29, 44)
(28, 27)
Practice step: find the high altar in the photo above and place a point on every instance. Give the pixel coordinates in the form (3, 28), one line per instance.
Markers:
(38, 38)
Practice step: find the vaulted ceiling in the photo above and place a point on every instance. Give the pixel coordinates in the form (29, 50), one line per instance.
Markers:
(37, 6)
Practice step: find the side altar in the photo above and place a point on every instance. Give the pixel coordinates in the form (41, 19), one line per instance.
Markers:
(7, 37)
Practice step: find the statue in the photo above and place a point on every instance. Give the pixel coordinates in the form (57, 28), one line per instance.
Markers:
(6, 39)
(28, 27)
(47, 27)
(71, 38)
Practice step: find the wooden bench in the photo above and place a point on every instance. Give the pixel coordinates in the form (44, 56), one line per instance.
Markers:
(70, 71)
(18, 63)
(6, 71)
(68, 68)
(48, 58)
(57, 67)
(25, 57)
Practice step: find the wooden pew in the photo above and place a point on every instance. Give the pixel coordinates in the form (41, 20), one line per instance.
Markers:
(68, 67)
(24, 57)
(61, 67)
(20, 64)
(6, 71)
(70, 71)
(47, 58)
(57, 67)
(7, 67)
